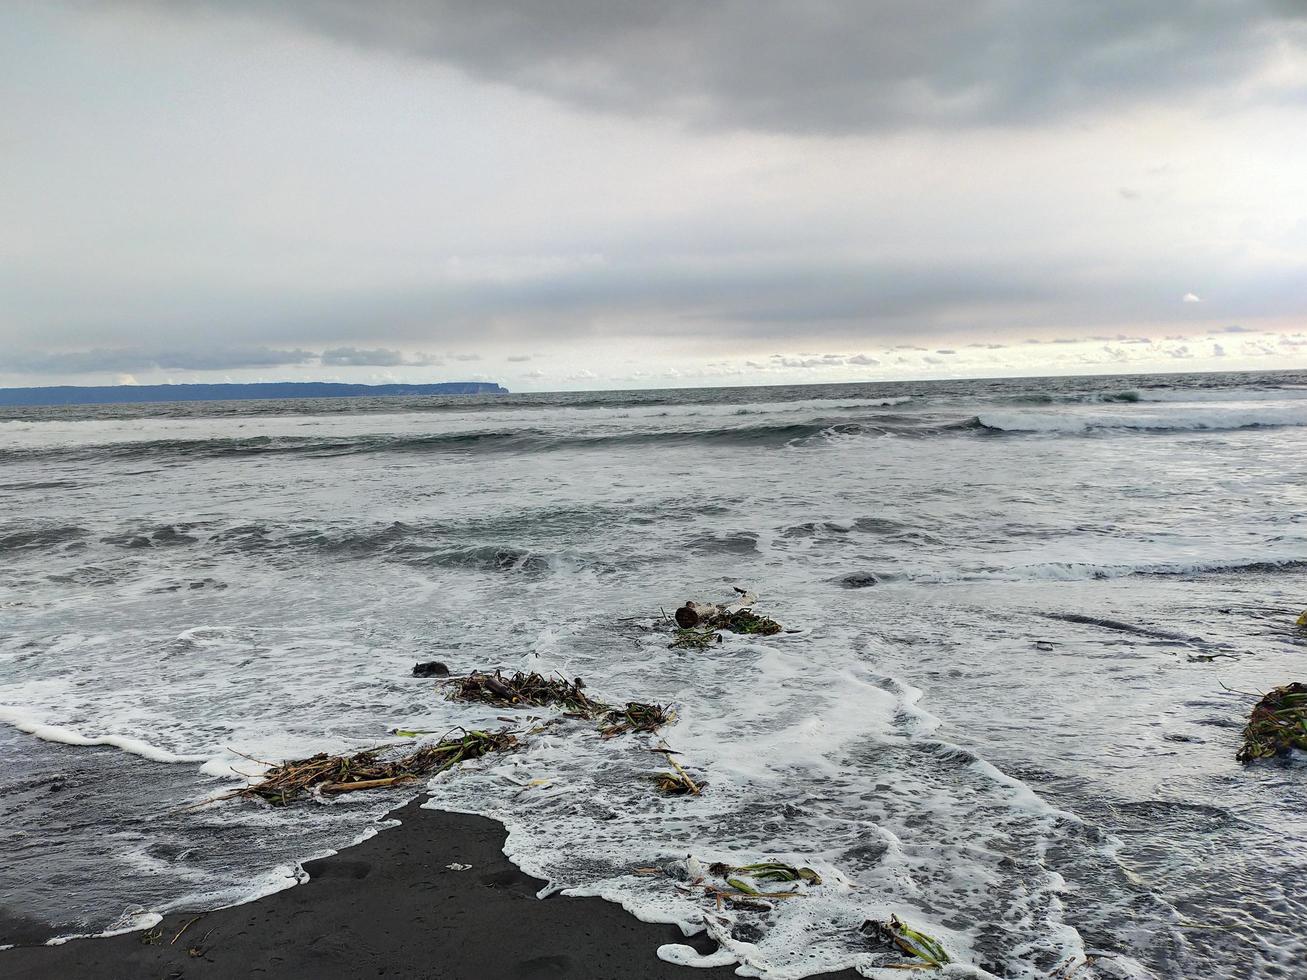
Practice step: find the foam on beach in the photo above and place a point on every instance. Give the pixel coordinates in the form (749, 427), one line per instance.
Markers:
(976, 725)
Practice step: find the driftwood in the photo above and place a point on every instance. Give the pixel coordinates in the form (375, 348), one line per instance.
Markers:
(700, 613)
(372, 768)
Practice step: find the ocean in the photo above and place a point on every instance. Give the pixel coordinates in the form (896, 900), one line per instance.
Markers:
(1025, 621)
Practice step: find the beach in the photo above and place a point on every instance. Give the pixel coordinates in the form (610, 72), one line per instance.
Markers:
(390, 906)
(1019, 624)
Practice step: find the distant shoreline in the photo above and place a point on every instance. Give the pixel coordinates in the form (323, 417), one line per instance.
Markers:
(138, 394)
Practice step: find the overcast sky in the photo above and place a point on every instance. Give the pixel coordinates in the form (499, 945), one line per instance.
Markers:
(596, 193)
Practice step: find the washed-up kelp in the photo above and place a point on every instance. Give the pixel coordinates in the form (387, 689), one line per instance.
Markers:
(765, 871)
(635, 717)
(1277, 724)
(372, 768)
(525, 690)
(906, 940)
(739, 891)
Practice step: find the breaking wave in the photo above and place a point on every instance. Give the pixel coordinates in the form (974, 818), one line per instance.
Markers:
(1187, 419)
(763, 435)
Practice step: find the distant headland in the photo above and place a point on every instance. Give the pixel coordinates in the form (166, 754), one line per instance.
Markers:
(130, 394)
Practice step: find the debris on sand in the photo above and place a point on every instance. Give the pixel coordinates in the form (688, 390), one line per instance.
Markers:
(635, 717)
(766, 871)
(432, 668)
(906, 940)
(738, 891)
(1277, 724)
(372, 768)
(525, 690)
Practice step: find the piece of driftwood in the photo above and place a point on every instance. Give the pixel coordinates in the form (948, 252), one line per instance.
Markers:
(701, 613)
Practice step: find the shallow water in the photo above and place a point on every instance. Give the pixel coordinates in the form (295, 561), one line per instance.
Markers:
(189, 584)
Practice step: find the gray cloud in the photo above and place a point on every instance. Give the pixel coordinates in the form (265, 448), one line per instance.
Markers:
(758, 297)
(838, 66)
(126, 359)
(351, 356)
(129, 359)
(378, 357)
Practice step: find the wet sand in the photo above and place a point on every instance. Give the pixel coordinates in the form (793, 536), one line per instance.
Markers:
(388, 907)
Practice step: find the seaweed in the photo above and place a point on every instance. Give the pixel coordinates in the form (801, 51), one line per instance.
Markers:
(906, 940)
(525, 690)
(767, 871)
(709, 631)
(372, 768)
(635, 717)
(748, 622)
(692, 639)
(1277, 724)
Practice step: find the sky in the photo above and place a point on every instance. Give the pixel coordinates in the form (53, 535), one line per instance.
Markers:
(568, 194)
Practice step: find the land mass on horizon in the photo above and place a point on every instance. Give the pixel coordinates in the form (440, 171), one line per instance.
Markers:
(130, 394)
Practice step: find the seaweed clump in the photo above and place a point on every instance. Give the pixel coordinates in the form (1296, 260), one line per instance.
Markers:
(372, 769)
(747, 621)
(765, 871)
(1277, 724)
(635, 717)
(526, 690)
(692, 639)
(906, 940)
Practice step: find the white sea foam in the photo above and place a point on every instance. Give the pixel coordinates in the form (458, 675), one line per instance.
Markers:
(25, 721)
(1178, 417)
(908, 741)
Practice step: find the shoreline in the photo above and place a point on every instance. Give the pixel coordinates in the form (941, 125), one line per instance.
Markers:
(388, 906)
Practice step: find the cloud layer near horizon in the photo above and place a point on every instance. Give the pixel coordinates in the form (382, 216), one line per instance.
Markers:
(195, 185)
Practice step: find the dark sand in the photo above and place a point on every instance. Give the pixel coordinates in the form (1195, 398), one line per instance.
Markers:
(388, 908)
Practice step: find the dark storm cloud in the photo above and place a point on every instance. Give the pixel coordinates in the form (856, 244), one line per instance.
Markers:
(837, 66)
(128, 359)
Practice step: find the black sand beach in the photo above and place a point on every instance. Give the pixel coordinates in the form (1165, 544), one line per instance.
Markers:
(388, 907)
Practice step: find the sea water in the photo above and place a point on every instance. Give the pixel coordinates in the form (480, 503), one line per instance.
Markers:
(1000, 709)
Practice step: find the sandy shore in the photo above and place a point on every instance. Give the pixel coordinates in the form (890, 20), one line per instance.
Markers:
(388, 907)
